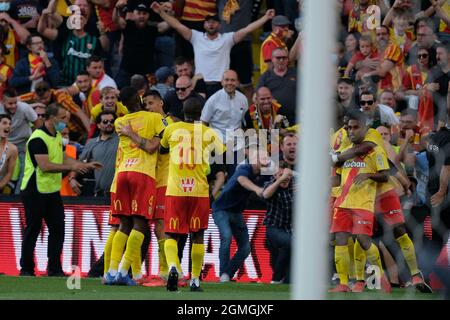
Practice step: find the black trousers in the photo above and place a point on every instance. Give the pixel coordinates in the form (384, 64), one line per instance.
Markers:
(50, 208)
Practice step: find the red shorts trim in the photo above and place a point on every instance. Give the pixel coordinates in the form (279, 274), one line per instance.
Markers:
(186, 214)
(331, 201)
(388, 204)
(160, 207)
(135, 195)
(113, 221)
(354, 221)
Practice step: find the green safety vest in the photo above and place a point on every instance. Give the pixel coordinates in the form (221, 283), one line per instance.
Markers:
(46, 182)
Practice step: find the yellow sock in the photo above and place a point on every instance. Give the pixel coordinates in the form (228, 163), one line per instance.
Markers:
(171, 251)
(198, 252)
(163, 267)
(409, 253)
(118, 245)
(360, 261)
(373, 255)
(342, 261)
(351, 269)
(107, 251)
(132, 256)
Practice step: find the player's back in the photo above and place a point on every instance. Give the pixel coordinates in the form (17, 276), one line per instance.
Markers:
(147, 125)
(190, 147)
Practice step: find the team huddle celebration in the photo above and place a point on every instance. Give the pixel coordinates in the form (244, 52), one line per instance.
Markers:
(180, 115)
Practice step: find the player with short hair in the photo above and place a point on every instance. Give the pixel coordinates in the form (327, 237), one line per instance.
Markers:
(354, 207)
(190, 144)
(134, 201)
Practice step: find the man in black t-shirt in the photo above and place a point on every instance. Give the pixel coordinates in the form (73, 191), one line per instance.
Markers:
(138, 41)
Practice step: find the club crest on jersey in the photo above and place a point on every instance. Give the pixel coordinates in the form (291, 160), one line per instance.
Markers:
(131, 162)
(187, 184)
(354, 164)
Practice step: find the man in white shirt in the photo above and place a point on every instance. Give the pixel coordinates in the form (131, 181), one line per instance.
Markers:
(224, 111)
(211, 49)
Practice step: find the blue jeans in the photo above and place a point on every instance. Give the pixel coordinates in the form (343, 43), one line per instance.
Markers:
(164, 51)
(280, 250)
(230, 225)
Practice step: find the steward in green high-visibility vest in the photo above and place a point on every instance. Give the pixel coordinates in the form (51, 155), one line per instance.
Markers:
(45, 162)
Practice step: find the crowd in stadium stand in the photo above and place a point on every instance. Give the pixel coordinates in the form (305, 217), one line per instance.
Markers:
(102, 57)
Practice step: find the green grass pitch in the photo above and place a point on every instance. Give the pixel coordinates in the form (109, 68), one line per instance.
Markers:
(43, 288)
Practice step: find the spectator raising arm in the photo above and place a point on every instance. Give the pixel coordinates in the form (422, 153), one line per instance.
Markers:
(21, 31)
(44, 25)
(242, 33)
(184, 31)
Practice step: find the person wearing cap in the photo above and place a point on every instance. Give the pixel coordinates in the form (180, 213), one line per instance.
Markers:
(211, 49)
(277, 39)
(164, 80)
(138, 41)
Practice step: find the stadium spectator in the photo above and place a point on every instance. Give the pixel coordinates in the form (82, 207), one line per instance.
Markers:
(426, 39)
(164, 80)
(263, 113)
(211, 49)
(224, 111)
(279, 196)
(8, 156)
(387, 98)
(36, 66)
(40, 188)
(184, 67)
(6, 71)
(138, 41)
(345, 99)
(100, 149)
(87, 97)
(413, 82)
(173, 101)
(277, 39)
(365, 60)
(377, 113)
(45, 95)
(282, 82)
(437, 83)
(288, 149)
(235, 15)
(108, 102)
(27, 13)
(191, 13)
(78, 45)
(14, 34)
(227, 213)
(21, 115)
(389, 72)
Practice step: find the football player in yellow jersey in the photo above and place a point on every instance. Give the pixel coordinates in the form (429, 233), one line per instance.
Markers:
(153, 103)
(190, 144)
(354, 207)
(388, 204)
(139, 136)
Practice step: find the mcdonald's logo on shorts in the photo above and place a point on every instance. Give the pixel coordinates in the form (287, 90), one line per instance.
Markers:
(134, 206)
(195, 223)
(117, 204)
(174, 223)
(150, 205)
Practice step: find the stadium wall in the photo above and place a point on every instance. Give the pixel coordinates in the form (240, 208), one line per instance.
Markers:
(86, 231)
